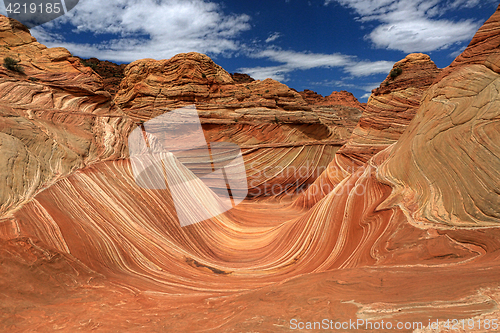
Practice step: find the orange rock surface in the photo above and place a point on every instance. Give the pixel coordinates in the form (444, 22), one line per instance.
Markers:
(272, 123)
(344, 98)
(386, 116)
(111, 73)
(55, 117)
(407, 232)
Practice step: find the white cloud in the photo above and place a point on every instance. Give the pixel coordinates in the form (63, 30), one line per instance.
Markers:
(469, 3)
(366, 68)
(303, 60)
(273, 72)
(273, 37)
(149, 28)
(422, 35)
(414, 25)
(457, 52)
(292, 61)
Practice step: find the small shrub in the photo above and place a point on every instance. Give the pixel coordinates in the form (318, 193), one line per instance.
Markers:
(203, 75)
(90, 64)
(267, 91)
(396, 72)
(12, 65)
(34, 79)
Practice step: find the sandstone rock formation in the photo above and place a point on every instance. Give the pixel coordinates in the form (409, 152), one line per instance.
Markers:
(242, 78)
(409, 234)
(344, 98)
(452, 148)
(272, 123)
(195, 78)
(55, 117)
(386, 116)
(391, 107)
(111, 73)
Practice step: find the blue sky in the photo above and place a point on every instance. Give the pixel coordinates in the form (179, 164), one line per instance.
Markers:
(323, 45)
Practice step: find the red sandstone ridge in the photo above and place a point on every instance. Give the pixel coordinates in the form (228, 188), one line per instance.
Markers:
(151, 87)
(335, 98)
(194, 78)
(482, 50)
(55, 117)
(386, 116)
(265, 117)
(111, 73)
(242, 78)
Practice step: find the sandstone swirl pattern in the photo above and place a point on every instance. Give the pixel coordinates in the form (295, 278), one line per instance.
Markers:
(55, 117)
(453, 144)
(386, 116)
(407, 229)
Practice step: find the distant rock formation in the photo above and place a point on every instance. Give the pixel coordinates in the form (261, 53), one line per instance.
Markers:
(242, 78)
(311, 97)
(111, 73)
(195, 78)
(386, 116)
(391, 107)
(335, 98)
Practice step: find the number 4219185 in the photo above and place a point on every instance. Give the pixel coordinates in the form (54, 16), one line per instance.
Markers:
(486, 324)
(47, 8)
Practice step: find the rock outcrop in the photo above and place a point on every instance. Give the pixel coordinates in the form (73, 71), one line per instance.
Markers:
(242, 78)
(391, 107)
(389, 110)
(193, 78)
(344, 98)
(111, 73)
(482, 50)
(55, 117)
(272, 123)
